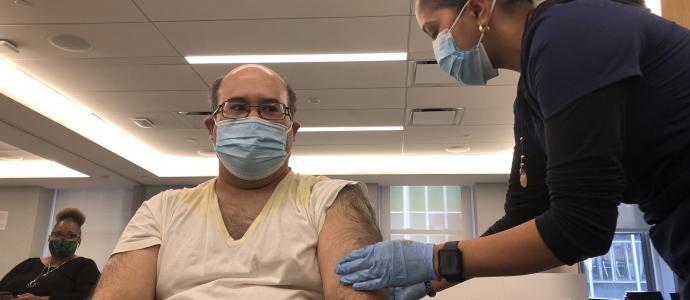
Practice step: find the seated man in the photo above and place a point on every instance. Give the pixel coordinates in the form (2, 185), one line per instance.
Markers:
(258, 230)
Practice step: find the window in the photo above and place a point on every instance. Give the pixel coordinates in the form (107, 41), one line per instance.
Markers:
(626, 267)
(430, 214)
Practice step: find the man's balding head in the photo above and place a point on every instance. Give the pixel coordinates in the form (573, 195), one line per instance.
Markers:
(253, 72)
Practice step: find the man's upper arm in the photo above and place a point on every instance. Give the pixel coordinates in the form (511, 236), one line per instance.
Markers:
(349, 224)
(129, 275)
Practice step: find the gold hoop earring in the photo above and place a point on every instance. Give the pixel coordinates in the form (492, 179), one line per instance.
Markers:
(484, 28)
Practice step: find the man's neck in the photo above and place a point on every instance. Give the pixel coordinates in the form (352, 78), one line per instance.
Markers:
(226, 184)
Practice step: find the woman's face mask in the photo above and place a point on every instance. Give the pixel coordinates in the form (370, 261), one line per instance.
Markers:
(62, 248)
(469, 67)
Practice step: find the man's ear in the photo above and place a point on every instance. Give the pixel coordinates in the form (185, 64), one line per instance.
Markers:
(210, 125)
(295, 127)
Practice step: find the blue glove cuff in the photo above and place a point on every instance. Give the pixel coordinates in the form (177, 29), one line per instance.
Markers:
(428, 253)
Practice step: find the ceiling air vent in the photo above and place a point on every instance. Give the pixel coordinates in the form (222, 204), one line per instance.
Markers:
(143, 122)
(434, 116)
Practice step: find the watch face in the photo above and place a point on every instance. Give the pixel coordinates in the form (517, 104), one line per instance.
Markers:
(448, 263)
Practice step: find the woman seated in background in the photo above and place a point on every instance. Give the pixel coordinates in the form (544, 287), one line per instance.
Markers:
(61, 275)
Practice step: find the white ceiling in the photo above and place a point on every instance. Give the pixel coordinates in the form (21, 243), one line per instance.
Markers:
(137, 69)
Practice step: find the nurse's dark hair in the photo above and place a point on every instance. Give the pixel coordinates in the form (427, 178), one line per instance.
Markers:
(456, 4)
(213, 97)
(71, 214)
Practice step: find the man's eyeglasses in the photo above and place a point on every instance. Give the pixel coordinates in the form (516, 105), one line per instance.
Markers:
(238, 109)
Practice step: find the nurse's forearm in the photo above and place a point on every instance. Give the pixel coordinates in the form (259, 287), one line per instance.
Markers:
(516, 251)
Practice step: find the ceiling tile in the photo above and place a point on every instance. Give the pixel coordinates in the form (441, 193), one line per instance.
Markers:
(70, 11)
(145, 101)
(99, 75)
(459, 134)
(166, 10)
(9, 152)
(382, 149)
(7, 147)
(371, 117)
(350, 99)
(326, 75)
(161, 121)
(296, 36)
(494, 97)
(420, 43)
(108, 40)
(349, 138)
(180, 142)
(487, 116)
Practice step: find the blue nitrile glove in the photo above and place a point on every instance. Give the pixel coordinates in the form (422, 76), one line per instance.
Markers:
(413, 292)
(388, 264)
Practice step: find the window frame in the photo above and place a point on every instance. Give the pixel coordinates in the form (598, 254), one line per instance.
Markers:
(646, 261)
(467, 210)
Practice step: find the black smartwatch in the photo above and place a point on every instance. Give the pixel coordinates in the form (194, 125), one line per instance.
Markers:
(450, 263)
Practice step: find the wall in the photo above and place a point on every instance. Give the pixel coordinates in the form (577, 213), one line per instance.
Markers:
(27, 224)
(107, 213)
(676, 10)
(489, 202)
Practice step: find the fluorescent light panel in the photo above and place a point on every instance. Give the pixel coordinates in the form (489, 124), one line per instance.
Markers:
(296, 58)
(37, 169)
(351, 128)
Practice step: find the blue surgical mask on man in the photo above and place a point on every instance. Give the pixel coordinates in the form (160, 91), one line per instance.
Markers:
(469, 67)
(251, 148)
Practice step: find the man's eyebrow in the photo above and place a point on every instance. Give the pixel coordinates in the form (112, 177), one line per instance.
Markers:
(236, 99)
(269, 100)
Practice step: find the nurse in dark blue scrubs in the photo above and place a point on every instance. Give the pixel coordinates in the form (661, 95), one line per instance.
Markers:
(602, 117)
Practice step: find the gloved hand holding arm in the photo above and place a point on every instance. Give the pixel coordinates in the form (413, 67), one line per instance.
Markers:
(388, 264)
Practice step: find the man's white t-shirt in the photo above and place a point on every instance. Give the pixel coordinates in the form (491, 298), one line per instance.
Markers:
(198, 259)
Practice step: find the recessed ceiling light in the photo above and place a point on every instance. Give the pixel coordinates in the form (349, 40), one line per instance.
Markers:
(458, 149)
(352, 128)
(314, 100)
(296, 58)
(70, 43)
(206, 153)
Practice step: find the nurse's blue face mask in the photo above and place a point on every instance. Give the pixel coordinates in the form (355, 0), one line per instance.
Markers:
(251, 148)
(469, 67)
